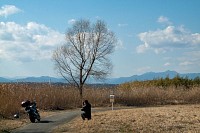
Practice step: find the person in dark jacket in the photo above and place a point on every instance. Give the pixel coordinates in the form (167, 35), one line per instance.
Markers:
(86, 110)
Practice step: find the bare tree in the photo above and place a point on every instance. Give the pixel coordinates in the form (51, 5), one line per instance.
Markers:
(86, 53)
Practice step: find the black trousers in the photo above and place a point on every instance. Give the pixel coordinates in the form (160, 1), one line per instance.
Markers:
(84, 115)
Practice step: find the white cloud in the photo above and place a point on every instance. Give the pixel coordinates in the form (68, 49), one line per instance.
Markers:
(163, 19)
(186, 63)
(142, 48)
(180, 45)
(190, 58)
(28, 42)
(71, 21)
(7, 10)
(122, 25)
(167, 64)
(166, 39)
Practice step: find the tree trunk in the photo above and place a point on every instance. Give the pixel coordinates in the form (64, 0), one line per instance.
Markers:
(81, 93)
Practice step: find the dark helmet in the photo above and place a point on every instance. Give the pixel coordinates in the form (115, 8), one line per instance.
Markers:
(86, 102)
(25, 103)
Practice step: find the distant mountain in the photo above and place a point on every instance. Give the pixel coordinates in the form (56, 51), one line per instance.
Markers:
(33, 79)
(150, 76)
(190, 75)
(39, 79)
(145, 76)
(4, 80)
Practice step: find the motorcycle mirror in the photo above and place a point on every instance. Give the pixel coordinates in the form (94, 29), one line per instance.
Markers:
(16, 115)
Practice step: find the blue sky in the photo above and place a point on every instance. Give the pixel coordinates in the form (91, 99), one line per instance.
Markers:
(153, 35)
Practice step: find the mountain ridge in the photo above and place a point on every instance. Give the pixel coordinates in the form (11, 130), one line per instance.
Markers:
(142, 77)
(151, 76)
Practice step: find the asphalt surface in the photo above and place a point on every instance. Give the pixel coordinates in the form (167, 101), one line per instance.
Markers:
(47, 124)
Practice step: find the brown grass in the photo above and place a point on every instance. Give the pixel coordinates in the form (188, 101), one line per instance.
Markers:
(145, 96)
(54, 97)
(58, 97)
(173, 118)
(47, 97)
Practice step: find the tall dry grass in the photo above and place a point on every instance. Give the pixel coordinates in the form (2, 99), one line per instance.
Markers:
(56, 97)
(48, 97)
(132, 94)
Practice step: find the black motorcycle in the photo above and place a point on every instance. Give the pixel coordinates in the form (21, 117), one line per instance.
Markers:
(31, 109)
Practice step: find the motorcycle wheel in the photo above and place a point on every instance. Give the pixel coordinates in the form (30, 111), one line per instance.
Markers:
(32, 119)
(38, 117)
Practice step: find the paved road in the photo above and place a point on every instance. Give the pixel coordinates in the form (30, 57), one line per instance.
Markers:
(47, 124)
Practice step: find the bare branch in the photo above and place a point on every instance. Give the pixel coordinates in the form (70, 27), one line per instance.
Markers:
(86, 52)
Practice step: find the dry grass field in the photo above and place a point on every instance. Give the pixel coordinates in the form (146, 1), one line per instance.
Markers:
(170, 119)
(54, 97)
(140, 94)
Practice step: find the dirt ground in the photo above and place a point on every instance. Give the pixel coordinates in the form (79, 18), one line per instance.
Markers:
(172, 118)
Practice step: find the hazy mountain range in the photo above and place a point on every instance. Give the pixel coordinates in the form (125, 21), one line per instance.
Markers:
(145, 76)
(151, 76)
